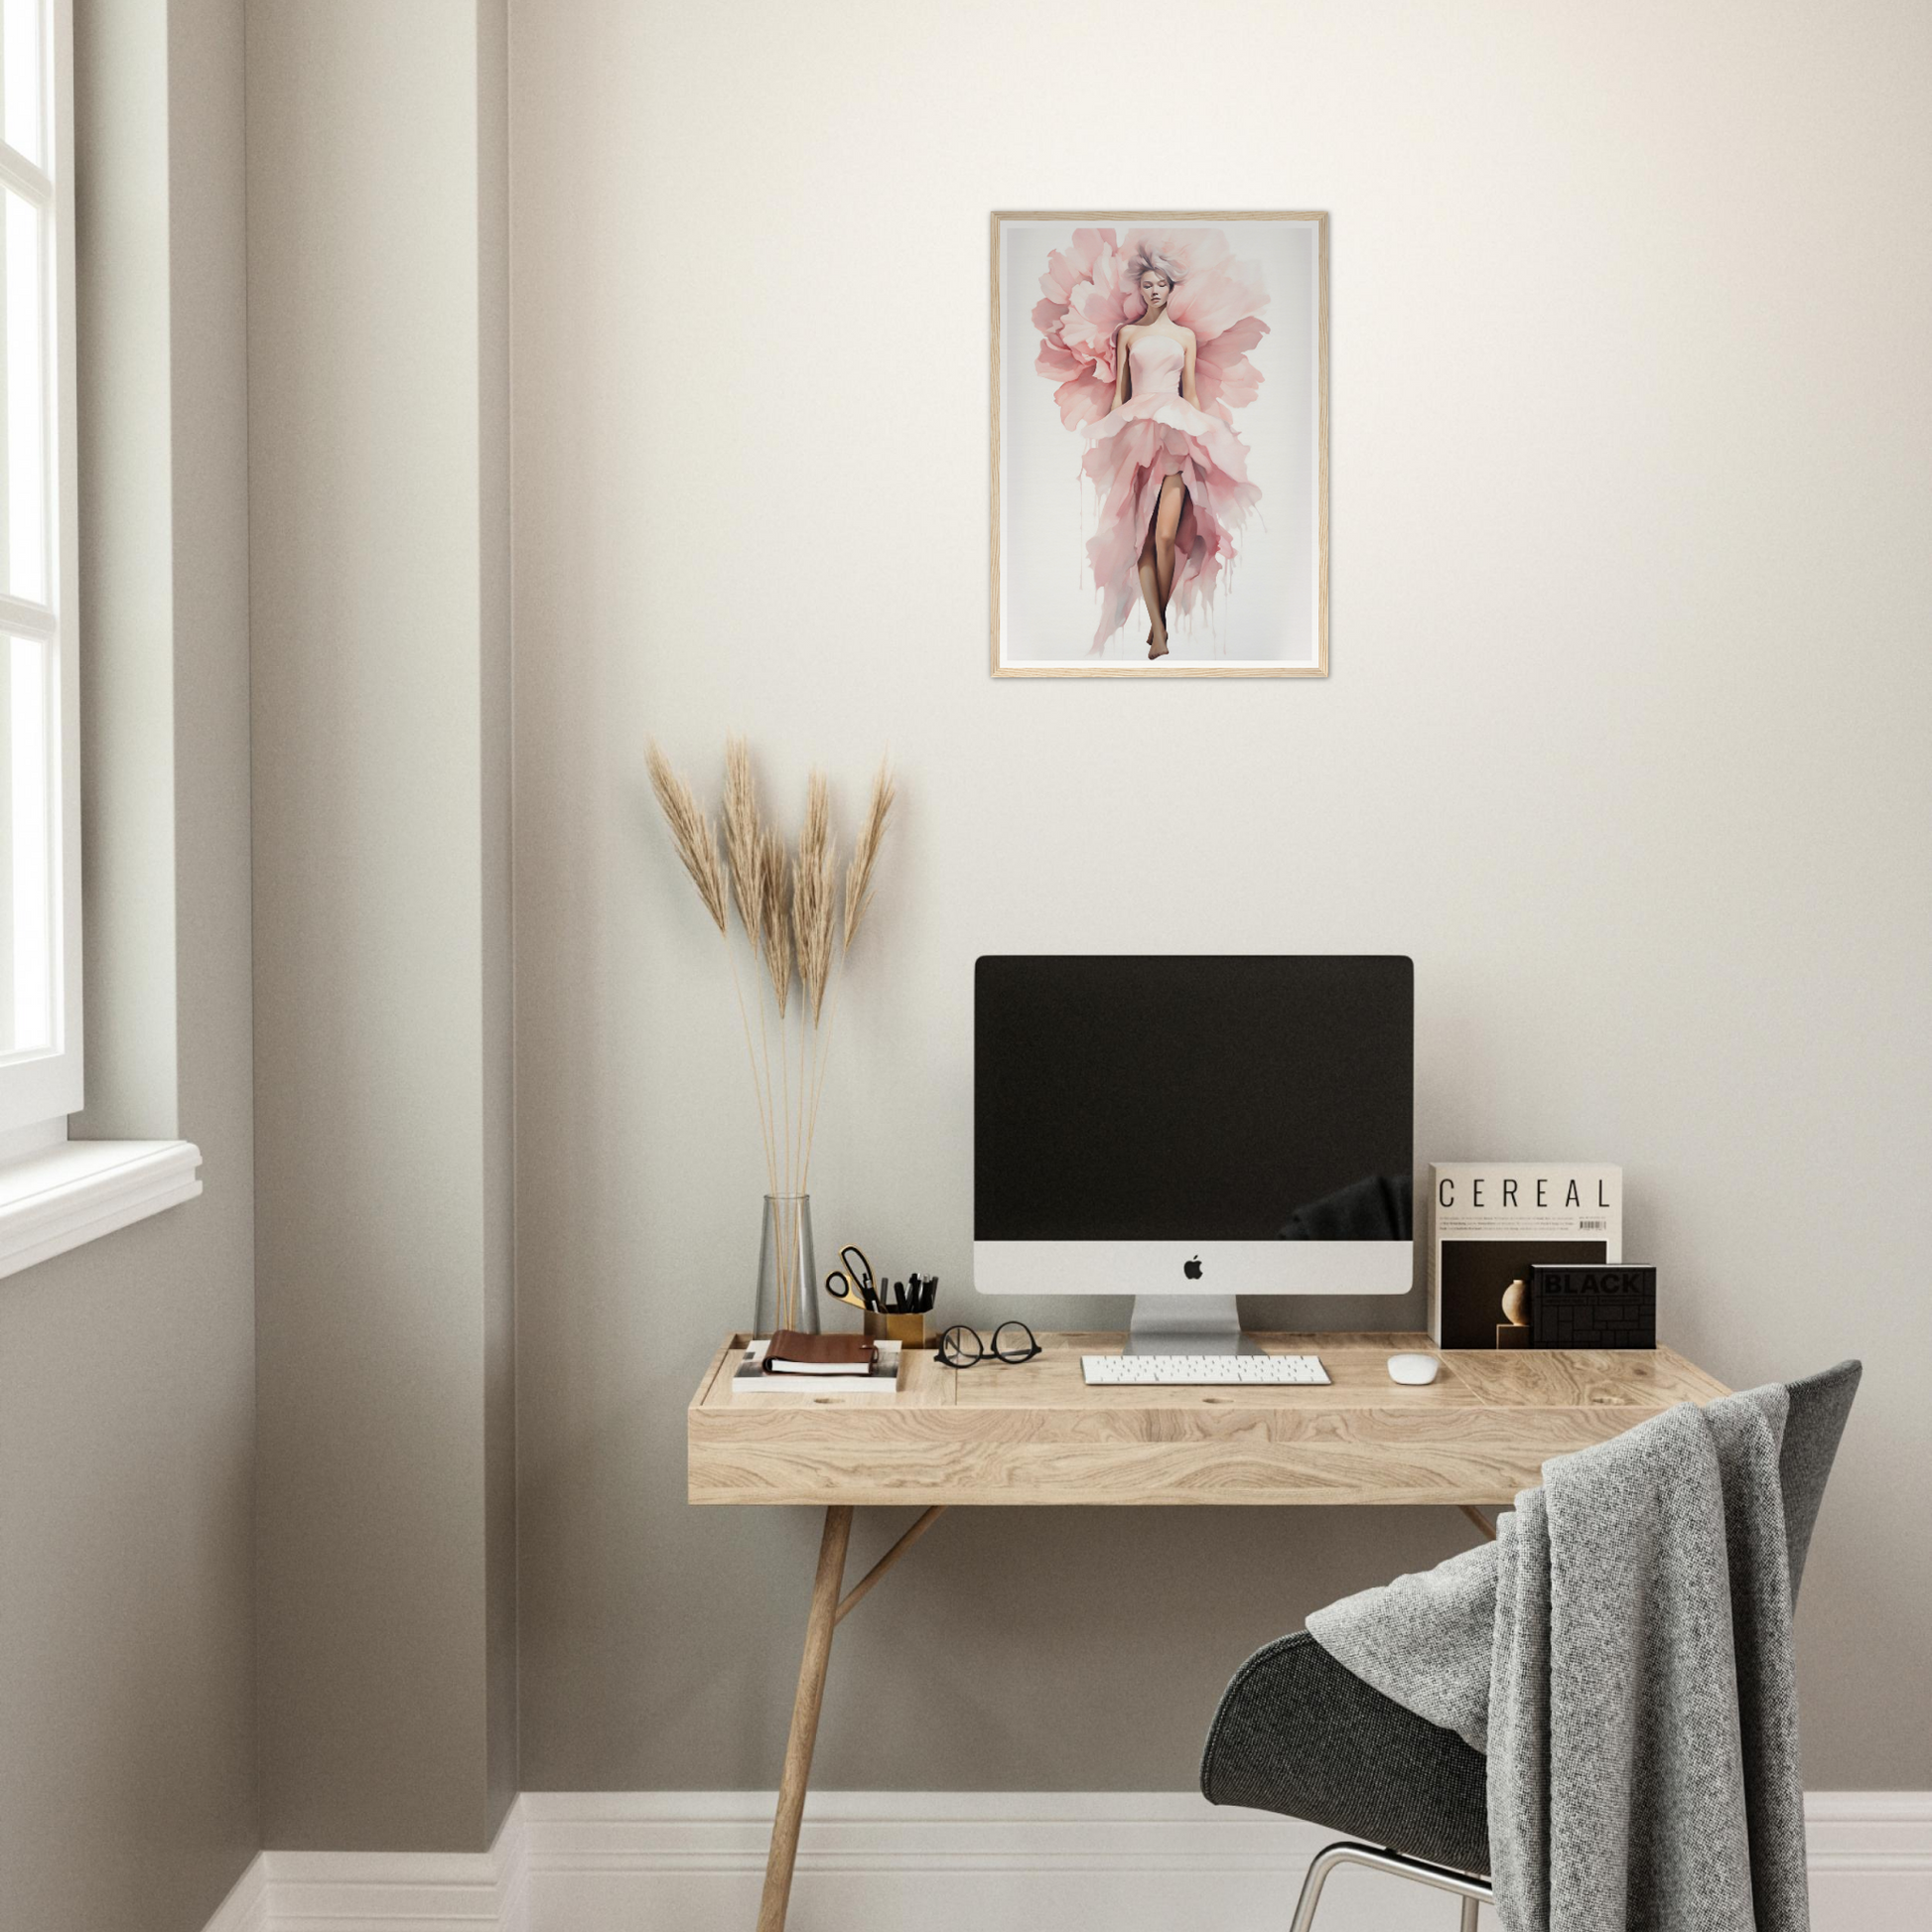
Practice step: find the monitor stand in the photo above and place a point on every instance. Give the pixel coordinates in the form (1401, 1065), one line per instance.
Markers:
(1187, 1325)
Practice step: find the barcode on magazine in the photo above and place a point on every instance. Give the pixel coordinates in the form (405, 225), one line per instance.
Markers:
(1598, 1225)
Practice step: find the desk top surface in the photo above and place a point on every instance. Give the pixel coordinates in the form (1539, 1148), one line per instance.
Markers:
(1034, 1434)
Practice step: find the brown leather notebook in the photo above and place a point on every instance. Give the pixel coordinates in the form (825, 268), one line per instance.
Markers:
(793, 1354)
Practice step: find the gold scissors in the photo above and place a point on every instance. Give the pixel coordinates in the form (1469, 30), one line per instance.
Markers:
(852, 1282)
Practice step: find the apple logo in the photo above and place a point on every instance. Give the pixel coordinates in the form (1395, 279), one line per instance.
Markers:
(1191, 1269)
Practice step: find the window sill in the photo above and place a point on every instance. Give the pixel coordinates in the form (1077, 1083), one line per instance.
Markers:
(79, 1190)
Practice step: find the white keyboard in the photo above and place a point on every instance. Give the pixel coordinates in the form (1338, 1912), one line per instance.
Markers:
(1202, 1371)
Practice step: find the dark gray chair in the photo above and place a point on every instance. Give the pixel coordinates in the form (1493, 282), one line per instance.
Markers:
(1299, 1734)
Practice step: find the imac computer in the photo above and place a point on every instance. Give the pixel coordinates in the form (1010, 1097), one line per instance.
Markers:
(1190, 1129)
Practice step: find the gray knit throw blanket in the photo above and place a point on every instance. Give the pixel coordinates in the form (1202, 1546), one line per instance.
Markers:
(1622, 1652)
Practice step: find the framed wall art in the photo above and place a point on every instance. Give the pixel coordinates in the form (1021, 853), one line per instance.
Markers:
(1159, 445)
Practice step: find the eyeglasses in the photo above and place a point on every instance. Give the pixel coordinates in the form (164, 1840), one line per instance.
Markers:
(1013, 1341)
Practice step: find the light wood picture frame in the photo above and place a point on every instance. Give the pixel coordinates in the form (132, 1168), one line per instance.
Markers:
(1195, 484)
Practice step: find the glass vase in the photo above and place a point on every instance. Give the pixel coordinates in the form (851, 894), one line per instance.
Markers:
(788, 1273)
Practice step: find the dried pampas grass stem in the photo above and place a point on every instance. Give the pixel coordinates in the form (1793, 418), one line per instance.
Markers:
(858, 898)
(788, 912)
(691, 833)
(774, 919)
(696, 845)
(742, 847)
(864, 852)
(814, 909)
(814, 897)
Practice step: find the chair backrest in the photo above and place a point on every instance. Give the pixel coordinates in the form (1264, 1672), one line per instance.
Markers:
(1819, 1407)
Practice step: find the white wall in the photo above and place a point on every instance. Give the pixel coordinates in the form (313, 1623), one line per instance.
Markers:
(1625, 743)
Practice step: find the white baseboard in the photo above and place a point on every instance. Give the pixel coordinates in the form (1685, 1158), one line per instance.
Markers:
(384, 1891)
(954, 1861)
(245, 1909)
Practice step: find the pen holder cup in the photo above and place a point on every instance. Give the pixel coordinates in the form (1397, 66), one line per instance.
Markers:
(906, 1328)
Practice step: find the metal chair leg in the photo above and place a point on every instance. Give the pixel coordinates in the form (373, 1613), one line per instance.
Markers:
(1325, 1863)
(1472, 1891)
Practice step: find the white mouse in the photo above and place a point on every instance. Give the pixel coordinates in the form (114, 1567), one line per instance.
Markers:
(1414, 1368)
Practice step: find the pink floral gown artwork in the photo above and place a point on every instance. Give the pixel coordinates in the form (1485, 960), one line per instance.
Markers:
(1089, 295)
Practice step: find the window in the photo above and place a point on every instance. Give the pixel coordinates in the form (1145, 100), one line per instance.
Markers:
(55, 1194)
(40, 845)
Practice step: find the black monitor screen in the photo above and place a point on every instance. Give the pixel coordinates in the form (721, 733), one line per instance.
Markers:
(1244, 1098)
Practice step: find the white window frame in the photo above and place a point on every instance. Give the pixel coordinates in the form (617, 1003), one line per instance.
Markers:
(56, 1193)
(38, 1090)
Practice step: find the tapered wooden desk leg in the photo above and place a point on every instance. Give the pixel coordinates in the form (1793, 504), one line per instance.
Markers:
(804, 1719)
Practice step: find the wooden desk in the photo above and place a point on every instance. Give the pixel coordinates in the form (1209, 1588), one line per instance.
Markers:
(1033, 1434)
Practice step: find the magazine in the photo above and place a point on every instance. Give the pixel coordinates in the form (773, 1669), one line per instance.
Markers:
(1489, 1221)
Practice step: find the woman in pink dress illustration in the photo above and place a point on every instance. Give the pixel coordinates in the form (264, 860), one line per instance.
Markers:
(1148, 343)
